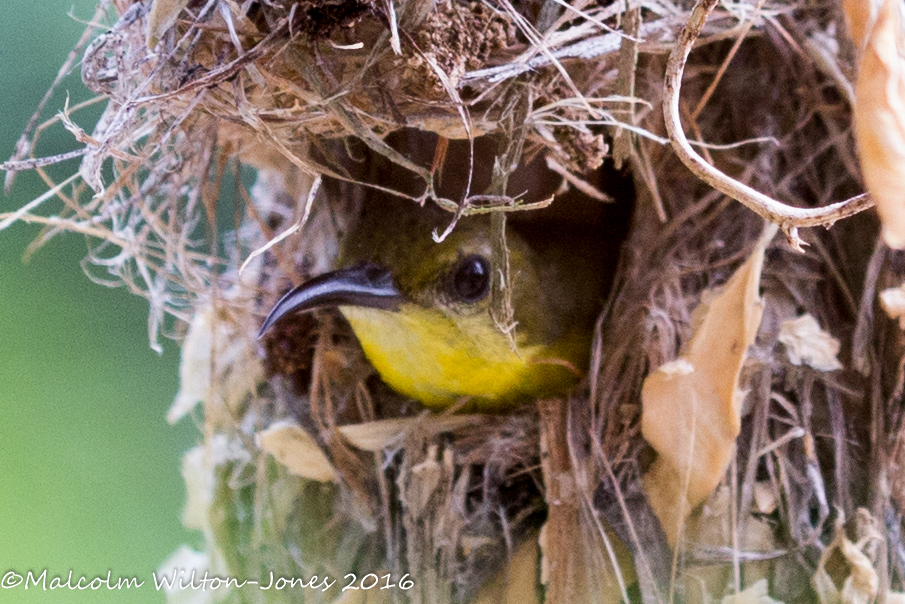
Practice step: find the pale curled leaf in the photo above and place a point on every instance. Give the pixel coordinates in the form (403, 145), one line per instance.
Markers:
(857, 575)
(807, 344)
(717, 525)
(297, 450)
(378, 435)
(764, 497)
(880, 110)
(161, 18)
(691, 407)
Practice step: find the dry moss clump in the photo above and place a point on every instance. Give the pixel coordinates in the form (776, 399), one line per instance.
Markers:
(454, 40)
(311, 466)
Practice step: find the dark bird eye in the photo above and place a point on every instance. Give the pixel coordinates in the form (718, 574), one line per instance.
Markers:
(471, 280)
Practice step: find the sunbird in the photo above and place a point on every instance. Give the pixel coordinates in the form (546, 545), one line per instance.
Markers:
(422, 310)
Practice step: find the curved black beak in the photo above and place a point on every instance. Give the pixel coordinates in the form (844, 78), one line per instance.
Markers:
(367, 284)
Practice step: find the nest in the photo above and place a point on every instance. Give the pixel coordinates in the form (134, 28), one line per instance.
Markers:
(229, 163)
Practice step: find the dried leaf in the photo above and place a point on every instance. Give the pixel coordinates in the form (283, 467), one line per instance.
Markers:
(859, 580)
(880, 111)
(807, 344)
(858, 17)
(161, 18)
(297, 450)
(691, 407)
(893, 302)
(754, 594)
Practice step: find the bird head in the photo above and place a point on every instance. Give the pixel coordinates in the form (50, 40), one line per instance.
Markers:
(422, 310)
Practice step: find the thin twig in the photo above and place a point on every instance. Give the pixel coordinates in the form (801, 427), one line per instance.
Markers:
(623, 142)
(789, 218)
(40, 162)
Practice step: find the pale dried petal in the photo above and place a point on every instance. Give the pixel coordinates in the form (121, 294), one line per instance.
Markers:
(424, 481)
(297, 450)
(199, 488)
(807, 344)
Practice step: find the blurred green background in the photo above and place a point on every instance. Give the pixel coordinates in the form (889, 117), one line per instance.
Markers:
(89, 469)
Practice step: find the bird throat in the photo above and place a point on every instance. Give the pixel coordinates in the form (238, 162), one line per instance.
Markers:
(430, 356)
